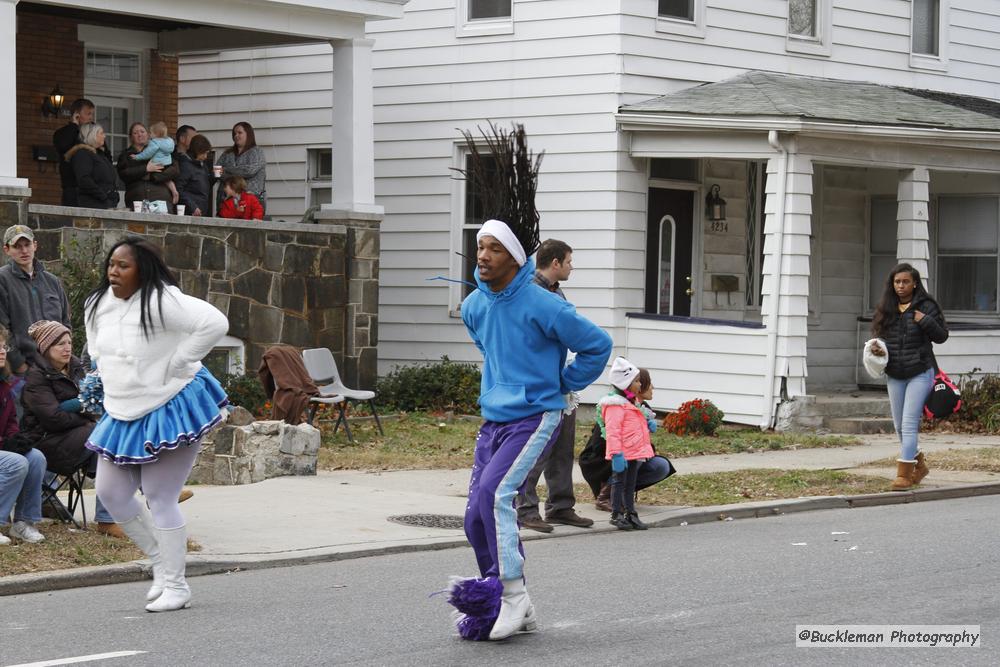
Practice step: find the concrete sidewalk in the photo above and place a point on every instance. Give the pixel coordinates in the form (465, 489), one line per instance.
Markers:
(346, 514)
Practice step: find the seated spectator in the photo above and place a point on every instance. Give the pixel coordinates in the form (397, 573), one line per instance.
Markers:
(95, 174)
(21, 467)
(195, 182)
(53, 415)
(245, 158)
(239, 203)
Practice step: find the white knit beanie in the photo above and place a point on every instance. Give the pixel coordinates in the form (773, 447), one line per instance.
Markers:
(622, 373)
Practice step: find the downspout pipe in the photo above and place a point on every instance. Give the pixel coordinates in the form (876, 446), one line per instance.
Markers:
(767, 419)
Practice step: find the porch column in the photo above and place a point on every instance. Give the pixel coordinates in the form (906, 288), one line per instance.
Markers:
(353, 130)
(912, 233)
(786, 294)
(8, 97)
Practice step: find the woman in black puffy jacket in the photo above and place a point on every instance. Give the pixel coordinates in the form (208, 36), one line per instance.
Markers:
(910, 322)
(195, 182)
(95, 175)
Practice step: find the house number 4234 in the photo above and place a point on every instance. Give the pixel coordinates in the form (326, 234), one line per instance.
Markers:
(720, 226)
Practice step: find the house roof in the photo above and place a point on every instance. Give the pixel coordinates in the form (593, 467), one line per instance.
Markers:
(764, 94)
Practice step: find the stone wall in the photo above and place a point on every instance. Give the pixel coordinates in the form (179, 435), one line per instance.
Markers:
(278, 283)
(256, 451)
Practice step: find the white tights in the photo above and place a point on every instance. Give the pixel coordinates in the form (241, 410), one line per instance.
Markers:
(161, 482)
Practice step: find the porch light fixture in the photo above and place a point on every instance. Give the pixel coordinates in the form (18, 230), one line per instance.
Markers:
(715, 206)
(52, 104)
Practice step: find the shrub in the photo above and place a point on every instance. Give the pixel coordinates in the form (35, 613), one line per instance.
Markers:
(434, 387)
(247, 392)
(80, 270)
(699, 416)
(980, 402)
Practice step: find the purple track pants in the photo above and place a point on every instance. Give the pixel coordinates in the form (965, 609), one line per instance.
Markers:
(505, 454)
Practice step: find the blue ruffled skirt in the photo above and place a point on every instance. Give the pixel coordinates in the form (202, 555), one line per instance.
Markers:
(183, 420)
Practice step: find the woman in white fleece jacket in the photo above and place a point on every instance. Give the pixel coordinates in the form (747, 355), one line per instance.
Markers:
(148, 339)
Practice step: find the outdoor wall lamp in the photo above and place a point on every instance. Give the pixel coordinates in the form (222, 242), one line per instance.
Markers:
(715, 206)
(52, 104)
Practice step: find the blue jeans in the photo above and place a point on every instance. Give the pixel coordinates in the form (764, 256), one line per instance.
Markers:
(907, 398)
(21, 486)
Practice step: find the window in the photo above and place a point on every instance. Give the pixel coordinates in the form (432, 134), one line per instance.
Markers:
(488, 9)
(802, 18)
(929, 34)
(472, 214)
(809, 26)
(676, 9)
(681, 17)
(115, 116)
(320, 166)
(674, 169)
(226, 358)
(967, 253)
(484, 17)
(881, 245)
(926, 15)
(123, 67)
(754, 258)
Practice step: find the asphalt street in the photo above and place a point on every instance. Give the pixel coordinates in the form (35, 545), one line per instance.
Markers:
(710, 594)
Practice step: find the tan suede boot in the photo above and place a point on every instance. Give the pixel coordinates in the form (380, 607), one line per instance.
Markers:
(904, 476)
(920, 470)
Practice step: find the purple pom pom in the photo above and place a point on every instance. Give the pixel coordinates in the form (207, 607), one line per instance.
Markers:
(476, 597)
(475, 628)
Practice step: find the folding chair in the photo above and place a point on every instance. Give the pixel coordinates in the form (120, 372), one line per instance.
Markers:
(322, 368)
(73, 482)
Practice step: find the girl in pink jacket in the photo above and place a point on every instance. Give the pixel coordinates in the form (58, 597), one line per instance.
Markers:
(627, 433)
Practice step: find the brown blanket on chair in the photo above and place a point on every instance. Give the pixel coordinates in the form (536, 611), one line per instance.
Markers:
(286, 382)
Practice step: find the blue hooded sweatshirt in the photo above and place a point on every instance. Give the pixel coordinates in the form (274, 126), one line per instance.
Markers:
(523, 333)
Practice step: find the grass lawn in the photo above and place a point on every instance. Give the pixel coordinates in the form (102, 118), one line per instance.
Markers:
(66, 547)
(418, 441)
(981, 459)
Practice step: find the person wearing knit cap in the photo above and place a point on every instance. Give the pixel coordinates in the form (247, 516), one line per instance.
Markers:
(628, 443)
(523, 332)
(53, 415)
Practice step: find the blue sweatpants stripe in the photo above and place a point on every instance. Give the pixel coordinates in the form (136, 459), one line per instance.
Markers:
(511, 563)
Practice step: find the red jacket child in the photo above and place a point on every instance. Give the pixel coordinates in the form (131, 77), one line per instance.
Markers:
(249, 208)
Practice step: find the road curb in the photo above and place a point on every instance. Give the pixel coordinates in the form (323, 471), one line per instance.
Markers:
(21, 584)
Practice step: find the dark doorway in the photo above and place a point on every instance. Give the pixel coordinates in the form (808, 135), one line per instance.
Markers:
(669, 233)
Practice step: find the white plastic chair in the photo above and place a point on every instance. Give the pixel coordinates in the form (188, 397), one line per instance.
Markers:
(322, 368)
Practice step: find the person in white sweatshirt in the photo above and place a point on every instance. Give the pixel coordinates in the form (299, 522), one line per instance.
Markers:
(148, 339)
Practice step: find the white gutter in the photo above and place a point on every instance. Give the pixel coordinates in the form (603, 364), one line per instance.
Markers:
(767, 418)
(669, 122)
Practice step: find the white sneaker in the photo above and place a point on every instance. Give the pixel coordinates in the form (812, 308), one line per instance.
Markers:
(26, 532)
(4, 540)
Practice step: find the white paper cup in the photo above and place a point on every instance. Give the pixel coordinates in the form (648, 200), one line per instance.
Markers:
(137, 206)
(217, 170)
(180, 209)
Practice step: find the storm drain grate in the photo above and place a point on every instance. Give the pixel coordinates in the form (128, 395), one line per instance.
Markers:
(430, 520)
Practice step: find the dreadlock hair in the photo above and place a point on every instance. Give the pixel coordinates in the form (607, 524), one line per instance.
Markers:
(154, 276)
(506, 176)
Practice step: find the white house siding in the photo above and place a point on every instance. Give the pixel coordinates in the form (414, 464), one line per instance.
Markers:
(558, 75)
(284, 93)
(842, 208)
(688, 360)
(563, 72)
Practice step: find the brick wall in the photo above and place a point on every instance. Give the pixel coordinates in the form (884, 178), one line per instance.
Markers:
(48, 53)
(162, 90)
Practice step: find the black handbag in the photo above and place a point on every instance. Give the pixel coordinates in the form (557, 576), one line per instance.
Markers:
(596, 470)
(19, 443)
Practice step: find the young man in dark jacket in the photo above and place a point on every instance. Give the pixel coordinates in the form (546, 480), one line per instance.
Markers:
(28, 293)
(67, 136)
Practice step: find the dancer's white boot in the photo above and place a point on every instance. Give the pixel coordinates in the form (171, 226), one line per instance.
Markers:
(516, 611)
(140, 530)
(173, 553)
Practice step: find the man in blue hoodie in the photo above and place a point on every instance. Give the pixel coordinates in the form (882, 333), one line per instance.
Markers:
(523, 332)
